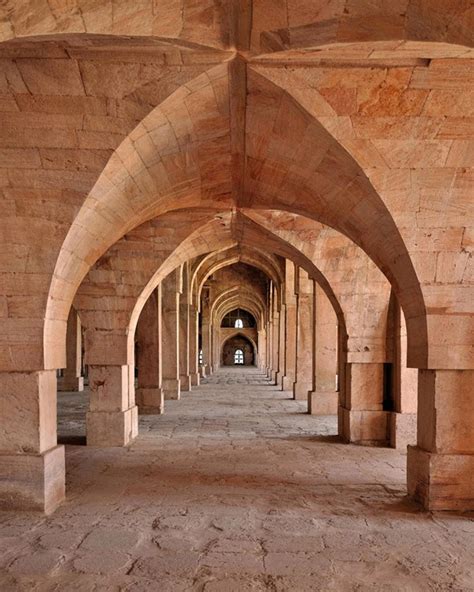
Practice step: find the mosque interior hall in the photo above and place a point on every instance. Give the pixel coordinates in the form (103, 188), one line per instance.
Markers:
(236, 296)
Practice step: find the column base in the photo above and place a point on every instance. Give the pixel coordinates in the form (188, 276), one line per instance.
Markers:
(202, 372)
(441, 481)
(111, 428)
(368, 428)
(402, 430)
(195, 379)
(71, 384)
(171, 389)
(150, 401)
(300, 391)
(273, 376)
(323, 402)
(185, 382)
(33, 481)
(279, 380)
(287, 383)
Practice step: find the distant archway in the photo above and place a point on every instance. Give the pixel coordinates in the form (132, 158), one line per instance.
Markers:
(238, 350)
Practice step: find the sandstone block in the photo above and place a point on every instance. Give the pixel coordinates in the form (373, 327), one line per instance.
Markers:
(402, 429)
(150, 401)
(112, 428)
(323, 402)
(32, 481)
(441, 481)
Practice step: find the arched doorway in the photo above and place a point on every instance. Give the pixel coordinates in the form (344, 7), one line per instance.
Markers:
(238, 351)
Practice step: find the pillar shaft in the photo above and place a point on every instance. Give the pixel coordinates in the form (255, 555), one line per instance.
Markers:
(440, 470)
(149, 393)
(290, 347)
(112, 419)
(194, 345)
(275, 344)
(184, 333)
(281, 346)
(72, 379)
(304, 338)
(323, 399)
(402, 417)
(361, 415)
(32, 466)
(170, 295)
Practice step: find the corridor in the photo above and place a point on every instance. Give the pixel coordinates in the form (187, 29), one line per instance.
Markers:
(235, 488)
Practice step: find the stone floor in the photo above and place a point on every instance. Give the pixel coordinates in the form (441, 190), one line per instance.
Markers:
(233, 489)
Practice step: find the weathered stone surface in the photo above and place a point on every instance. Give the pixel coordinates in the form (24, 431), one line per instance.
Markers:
(33, 481)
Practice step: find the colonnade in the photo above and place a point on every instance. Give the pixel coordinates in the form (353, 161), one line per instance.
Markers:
(300, 344)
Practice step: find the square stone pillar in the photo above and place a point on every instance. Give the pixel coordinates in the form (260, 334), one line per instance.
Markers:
(171, 290)
(361, 416)
(194, 345)
(268, 353)
(275, 345)
(262, 349)
(149, 393)
(205, 333)
(402, 419)
(323, 399)
(32, 465)
(281, 346)
(112, 419)
(440, 471)
(72, 379)
(289, 375)
(304, 337)
(184, 332)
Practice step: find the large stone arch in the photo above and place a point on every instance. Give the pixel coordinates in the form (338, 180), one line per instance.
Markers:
(345, 200)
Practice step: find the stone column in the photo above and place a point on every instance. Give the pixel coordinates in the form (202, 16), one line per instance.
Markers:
(402, 419)
(281, 345)
(304, 337)
(112, 419)
(32, 465)
(441, 467)
(149, 394)
(170, 296)
(72, 379)
(194, 345)
(323, 399)
(268, 361)
(290, 328)
(262, 349)
(205, 333)
(275, 341)
(361, 415)
(184, 333)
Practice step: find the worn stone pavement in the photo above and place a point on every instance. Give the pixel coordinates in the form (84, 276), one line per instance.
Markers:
(233, 489)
